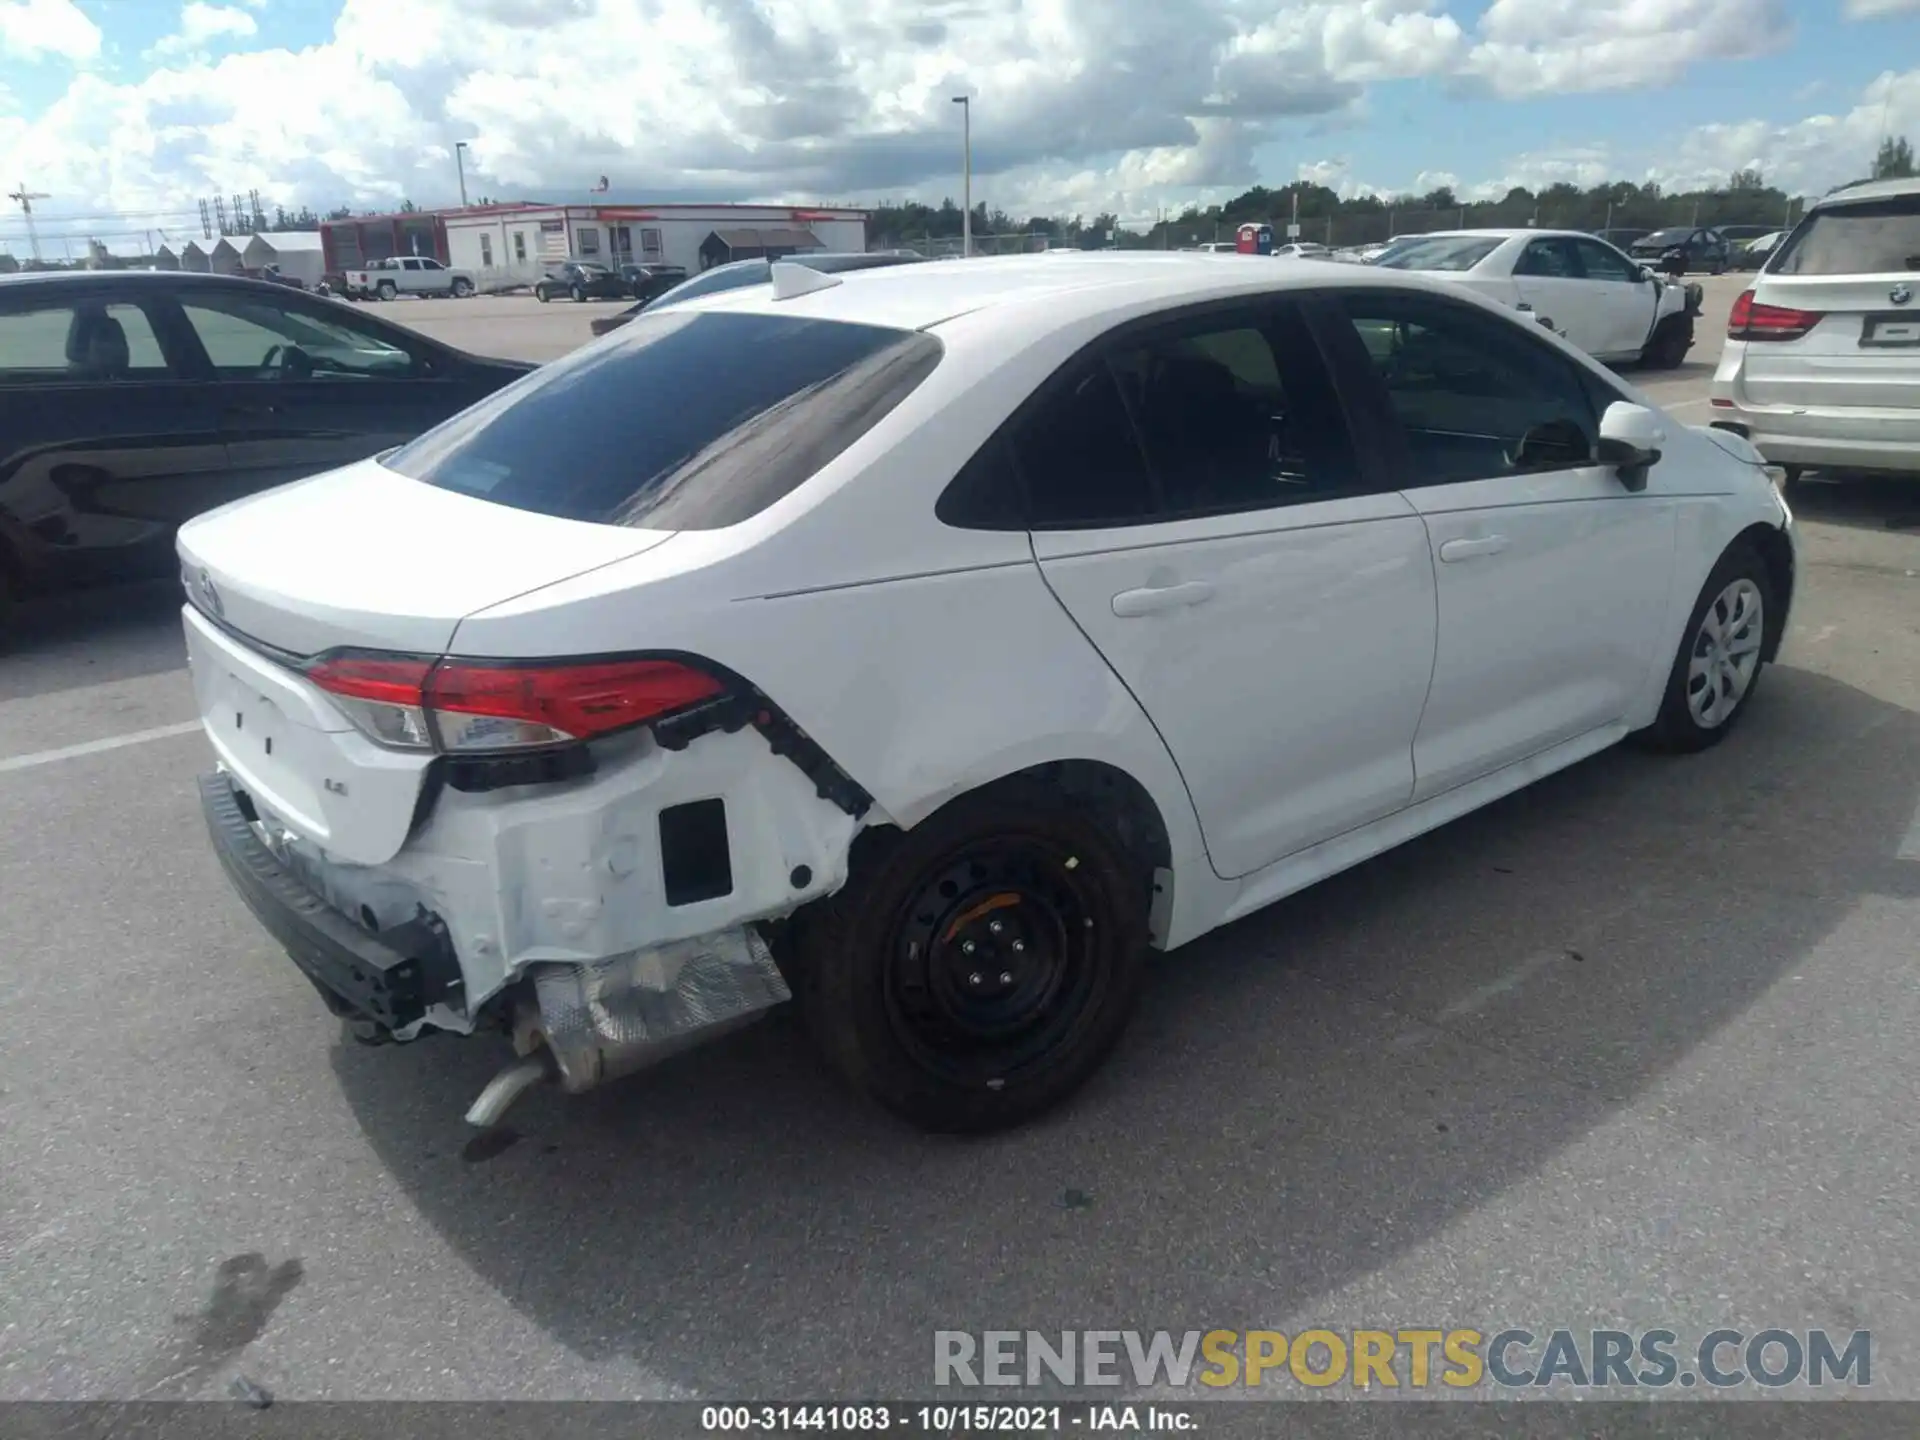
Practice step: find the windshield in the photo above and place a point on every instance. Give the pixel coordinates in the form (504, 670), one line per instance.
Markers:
(1879, 237)
(690, 421)
(1441, 252)
(1667, 237)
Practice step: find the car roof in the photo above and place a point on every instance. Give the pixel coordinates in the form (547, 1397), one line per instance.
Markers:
(1872, 190)
(1042, 292)
(136, 278)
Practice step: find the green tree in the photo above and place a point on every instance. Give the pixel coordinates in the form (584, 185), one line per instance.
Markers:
(1746, 181)
(1894, 160)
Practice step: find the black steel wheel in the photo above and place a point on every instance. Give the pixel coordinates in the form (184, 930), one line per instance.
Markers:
(977, 969)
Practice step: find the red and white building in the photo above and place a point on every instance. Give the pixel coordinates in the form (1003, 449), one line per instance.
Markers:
(515, 245)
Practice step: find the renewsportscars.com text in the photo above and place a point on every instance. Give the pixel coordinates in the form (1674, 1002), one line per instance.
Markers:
(1402, 1357)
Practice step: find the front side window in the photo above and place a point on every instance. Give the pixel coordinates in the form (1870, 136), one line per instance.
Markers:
(248, 340)
(1603, 262)
(668, 428)
(1476, 396)
(78, 341)
(1878, 237)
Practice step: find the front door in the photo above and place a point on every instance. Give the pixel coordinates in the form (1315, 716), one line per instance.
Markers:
(1553, 578)
(303, 389)
(1197, 507)
(1625, 298)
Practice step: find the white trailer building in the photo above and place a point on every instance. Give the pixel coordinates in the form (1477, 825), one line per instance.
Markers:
(505, 247)
(296, 252)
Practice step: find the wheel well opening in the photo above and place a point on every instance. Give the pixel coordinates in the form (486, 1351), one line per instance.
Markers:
(1121, 800)
(1777, 554)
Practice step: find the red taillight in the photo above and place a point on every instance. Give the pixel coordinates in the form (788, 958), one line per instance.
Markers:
(1752, 321)
(470, 705)
(579, 701)
(398, 681)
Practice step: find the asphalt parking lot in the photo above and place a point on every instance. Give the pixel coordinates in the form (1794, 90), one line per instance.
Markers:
(1632, 1049)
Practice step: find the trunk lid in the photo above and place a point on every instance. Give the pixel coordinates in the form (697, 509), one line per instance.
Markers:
(1863, 354)
(1855, 261)
(367, 558)
(360, 558)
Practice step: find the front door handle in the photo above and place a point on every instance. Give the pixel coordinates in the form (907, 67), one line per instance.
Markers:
(1454, 550)
(1157, 600)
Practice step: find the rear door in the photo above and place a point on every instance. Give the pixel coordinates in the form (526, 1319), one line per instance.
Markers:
(1856, 267)
(109, 435)
(1549, 278)
(1197, 506)
(305, 386)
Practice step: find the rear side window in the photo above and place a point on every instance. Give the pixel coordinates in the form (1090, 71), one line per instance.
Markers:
(1454, 252)
(1879, 237)
(691, 421)
(78, 341)
(1079, 458)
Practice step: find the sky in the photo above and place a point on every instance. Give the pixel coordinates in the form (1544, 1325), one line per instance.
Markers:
(124, 113)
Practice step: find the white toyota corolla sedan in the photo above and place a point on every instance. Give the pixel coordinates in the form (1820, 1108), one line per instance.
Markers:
(931, 643)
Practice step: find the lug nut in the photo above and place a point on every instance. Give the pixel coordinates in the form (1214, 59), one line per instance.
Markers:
(995, 926)
(975, 978)
(966, 947)
(1006, 977)
(1019, 947)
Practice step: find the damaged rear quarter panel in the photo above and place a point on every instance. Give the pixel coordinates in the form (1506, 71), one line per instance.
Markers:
(571, 872)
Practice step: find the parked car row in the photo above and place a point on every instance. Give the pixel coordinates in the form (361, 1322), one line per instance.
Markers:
(582, 280)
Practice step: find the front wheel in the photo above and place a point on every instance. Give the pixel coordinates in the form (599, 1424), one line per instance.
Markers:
(1720, 659)
(540, 294)
(1672, 339)
(977, 969)
(579, 294)
(462, 289)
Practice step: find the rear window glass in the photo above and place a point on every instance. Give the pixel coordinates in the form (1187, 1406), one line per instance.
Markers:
(1459, 253)
(688, 421)
(1667, 237)
(1879, 237)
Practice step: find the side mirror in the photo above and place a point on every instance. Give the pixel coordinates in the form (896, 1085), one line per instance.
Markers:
(1646, 272)
(1630, 440)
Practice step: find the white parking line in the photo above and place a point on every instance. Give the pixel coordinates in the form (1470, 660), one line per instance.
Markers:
(1684, 404)
(94, 747)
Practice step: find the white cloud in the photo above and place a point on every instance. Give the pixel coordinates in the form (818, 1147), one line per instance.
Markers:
(1874, 9)
(1087, 105)
(201, 23)
(1809, 156)
(33, 29)
(1540, 47)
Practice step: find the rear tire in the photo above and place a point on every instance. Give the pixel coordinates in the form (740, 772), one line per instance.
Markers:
(1672, 339)
(387, 290)
(1790, 476)
(579, 294)
(540, 294)
(977, 969)
(1719, 662)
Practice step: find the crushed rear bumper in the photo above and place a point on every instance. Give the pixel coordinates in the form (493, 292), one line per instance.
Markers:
(390, 978)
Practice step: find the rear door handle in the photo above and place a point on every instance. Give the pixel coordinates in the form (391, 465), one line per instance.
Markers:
(1454, 550)
(1129, 604)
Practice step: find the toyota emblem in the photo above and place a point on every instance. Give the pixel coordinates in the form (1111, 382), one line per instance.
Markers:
(1900, 294)
(209, 596)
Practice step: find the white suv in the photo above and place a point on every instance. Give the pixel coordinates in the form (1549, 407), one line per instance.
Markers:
(1822, 363)
(931, 641)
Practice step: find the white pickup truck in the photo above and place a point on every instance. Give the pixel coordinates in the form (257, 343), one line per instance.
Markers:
(407, 275)
(1611, 306)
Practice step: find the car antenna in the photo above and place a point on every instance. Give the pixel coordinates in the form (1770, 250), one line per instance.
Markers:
(791, 281)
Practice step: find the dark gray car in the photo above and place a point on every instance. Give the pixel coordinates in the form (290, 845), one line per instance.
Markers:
(755, 272)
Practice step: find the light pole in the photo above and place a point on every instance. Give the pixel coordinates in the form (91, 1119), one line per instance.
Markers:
(459, 165)
(966, 174)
